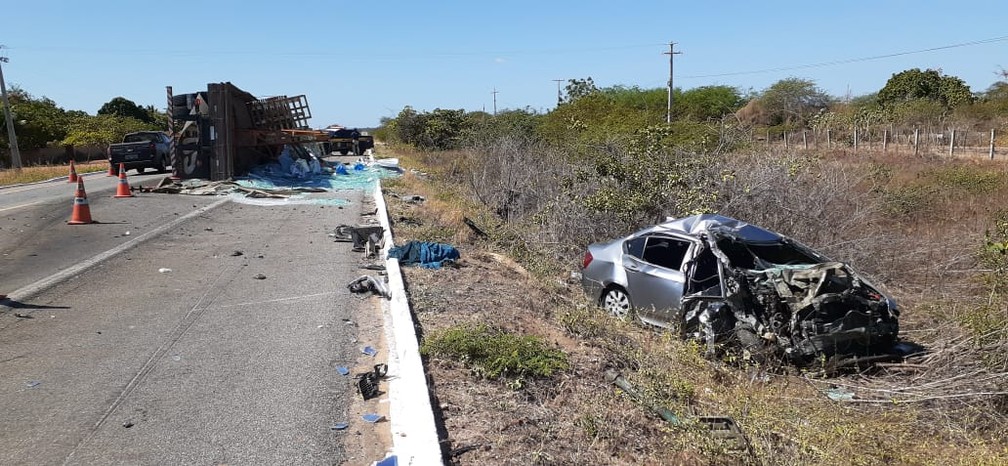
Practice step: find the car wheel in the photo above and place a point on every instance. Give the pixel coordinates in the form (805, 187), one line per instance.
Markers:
(616, 301)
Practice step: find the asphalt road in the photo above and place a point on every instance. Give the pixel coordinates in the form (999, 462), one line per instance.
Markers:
(227, 358)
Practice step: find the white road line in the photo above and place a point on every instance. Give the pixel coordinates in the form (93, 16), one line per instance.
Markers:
(33, 289)
(22, 205)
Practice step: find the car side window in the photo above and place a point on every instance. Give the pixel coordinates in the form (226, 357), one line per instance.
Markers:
(665, 252)
(635, 247)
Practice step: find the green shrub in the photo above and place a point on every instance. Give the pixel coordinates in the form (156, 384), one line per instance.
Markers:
(496, 354)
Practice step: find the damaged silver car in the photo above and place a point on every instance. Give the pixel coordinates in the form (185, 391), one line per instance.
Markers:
(723, 281)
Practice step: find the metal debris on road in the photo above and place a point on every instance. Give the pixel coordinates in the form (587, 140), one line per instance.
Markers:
(33, 383)
(164, 270)
(372, 418)
(22, 316)
(259, 276)
(128, 424)
(366, 283)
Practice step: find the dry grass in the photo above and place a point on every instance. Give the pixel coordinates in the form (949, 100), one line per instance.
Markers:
(943, 407)
(46, 172)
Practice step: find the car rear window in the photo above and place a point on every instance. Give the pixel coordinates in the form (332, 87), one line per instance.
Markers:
(138, 138)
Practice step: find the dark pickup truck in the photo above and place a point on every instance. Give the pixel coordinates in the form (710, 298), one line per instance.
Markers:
(143, 150)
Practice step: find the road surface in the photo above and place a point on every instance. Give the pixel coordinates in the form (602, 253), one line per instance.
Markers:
(229, 357)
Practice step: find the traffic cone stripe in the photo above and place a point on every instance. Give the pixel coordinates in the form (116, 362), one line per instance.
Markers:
(73, 173)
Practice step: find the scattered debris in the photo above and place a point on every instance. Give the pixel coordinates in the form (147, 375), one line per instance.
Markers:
(722, 427)
(128, 424)
(339, 426)
(22, 316)
(372, 418)
(367, 382)
(164, 270)
(33, 383)
(259, 276)
(425, 254)
(237, 253)
(127, 233)
(839, 394)
(342, 370)
(360, 235)
(390, 460)
(366, 283)
(369, 351)
(472, 226)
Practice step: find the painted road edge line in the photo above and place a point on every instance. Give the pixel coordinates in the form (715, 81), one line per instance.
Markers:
(33, 289)
(414, 433)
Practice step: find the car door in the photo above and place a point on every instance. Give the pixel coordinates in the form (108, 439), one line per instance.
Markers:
(655, 280)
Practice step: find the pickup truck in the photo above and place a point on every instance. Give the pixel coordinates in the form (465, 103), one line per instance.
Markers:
(143, 150)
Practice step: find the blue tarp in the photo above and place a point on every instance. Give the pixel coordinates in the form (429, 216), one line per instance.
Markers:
(425, 254)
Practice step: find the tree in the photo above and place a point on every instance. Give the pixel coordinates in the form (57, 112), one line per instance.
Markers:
(37, 121)
(793, 101)
(914, 84)
(707, 102)
(121, 106)
(577, 88)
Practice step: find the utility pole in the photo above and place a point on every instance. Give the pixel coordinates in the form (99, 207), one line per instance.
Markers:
(495, 101)
(671, 54)
(11, 137)
(559, 95)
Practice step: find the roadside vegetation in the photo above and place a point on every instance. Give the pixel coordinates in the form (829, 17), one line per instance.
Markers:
(540, 187)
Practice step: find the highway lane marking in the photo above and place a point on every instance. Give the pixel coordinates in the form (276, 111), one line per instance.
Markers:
(33, 289)
(23, 205)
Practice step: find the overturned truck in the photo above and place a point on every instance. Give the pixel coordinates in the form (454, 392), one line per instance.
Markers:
(727, 283)
(224, 131)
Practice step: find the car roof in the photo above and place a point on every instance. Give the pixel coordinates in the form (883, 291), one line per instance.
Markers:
(712, 223)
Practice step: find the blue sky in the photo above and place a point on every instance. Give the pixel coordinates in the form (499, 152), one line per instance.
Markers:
(360, 61)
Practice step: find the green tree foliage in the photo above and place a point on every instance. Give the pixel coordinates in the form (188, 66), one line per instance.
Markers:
(707, 102)
(792, 101)
(598, 116)
(121, 106)
(37, 121)
(100, 130)
(578, 88)
(914, 85)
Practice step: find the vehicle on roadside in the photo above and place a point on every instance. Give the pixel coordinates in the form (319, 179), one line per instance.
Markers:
(727, 283)
(142, 150)
(343, 141)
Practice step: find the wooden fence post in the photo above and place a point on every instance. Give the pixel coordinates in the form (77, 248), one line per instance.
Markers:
(885, 140)
(829, 140)
(804, 139)
(855, 139)
(916, 140)
(952, 143)
(768, 137)
(784, 135)
(992, 145)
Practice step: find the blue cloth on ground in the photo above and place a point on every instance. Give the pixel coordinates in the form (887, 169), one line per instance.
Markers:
(423, 253)
(341, 169)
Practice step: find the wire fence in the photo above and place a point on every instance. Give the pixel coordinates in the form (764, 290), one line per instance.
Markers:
(919, 141)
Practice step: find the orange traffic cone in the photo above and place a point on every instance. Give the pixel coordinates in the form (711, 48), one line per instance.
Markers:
(111, 169)
(123, 190)
(73, 173)
(81, 211)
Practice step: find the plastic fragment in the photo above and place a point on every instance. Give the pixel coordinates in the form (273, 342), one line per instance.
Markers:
(33, 383)
(369, 351)
(339, 426)
(372, 418)
(342, 370)
(839, 394)
(388, 461)
(164, 270)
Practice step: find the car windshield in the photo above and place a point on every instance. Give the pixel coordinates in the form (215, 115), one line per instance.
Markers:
(760, 256)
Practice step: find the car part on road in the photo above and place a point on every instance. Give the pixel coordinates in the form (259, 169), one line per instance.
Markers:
(732, 285)
(372, 418)
(425, 254)
(366, 283)
(367, 382)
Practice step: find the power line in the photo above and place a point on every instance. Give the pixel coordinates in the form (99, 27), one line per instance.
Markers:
(850, 60)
